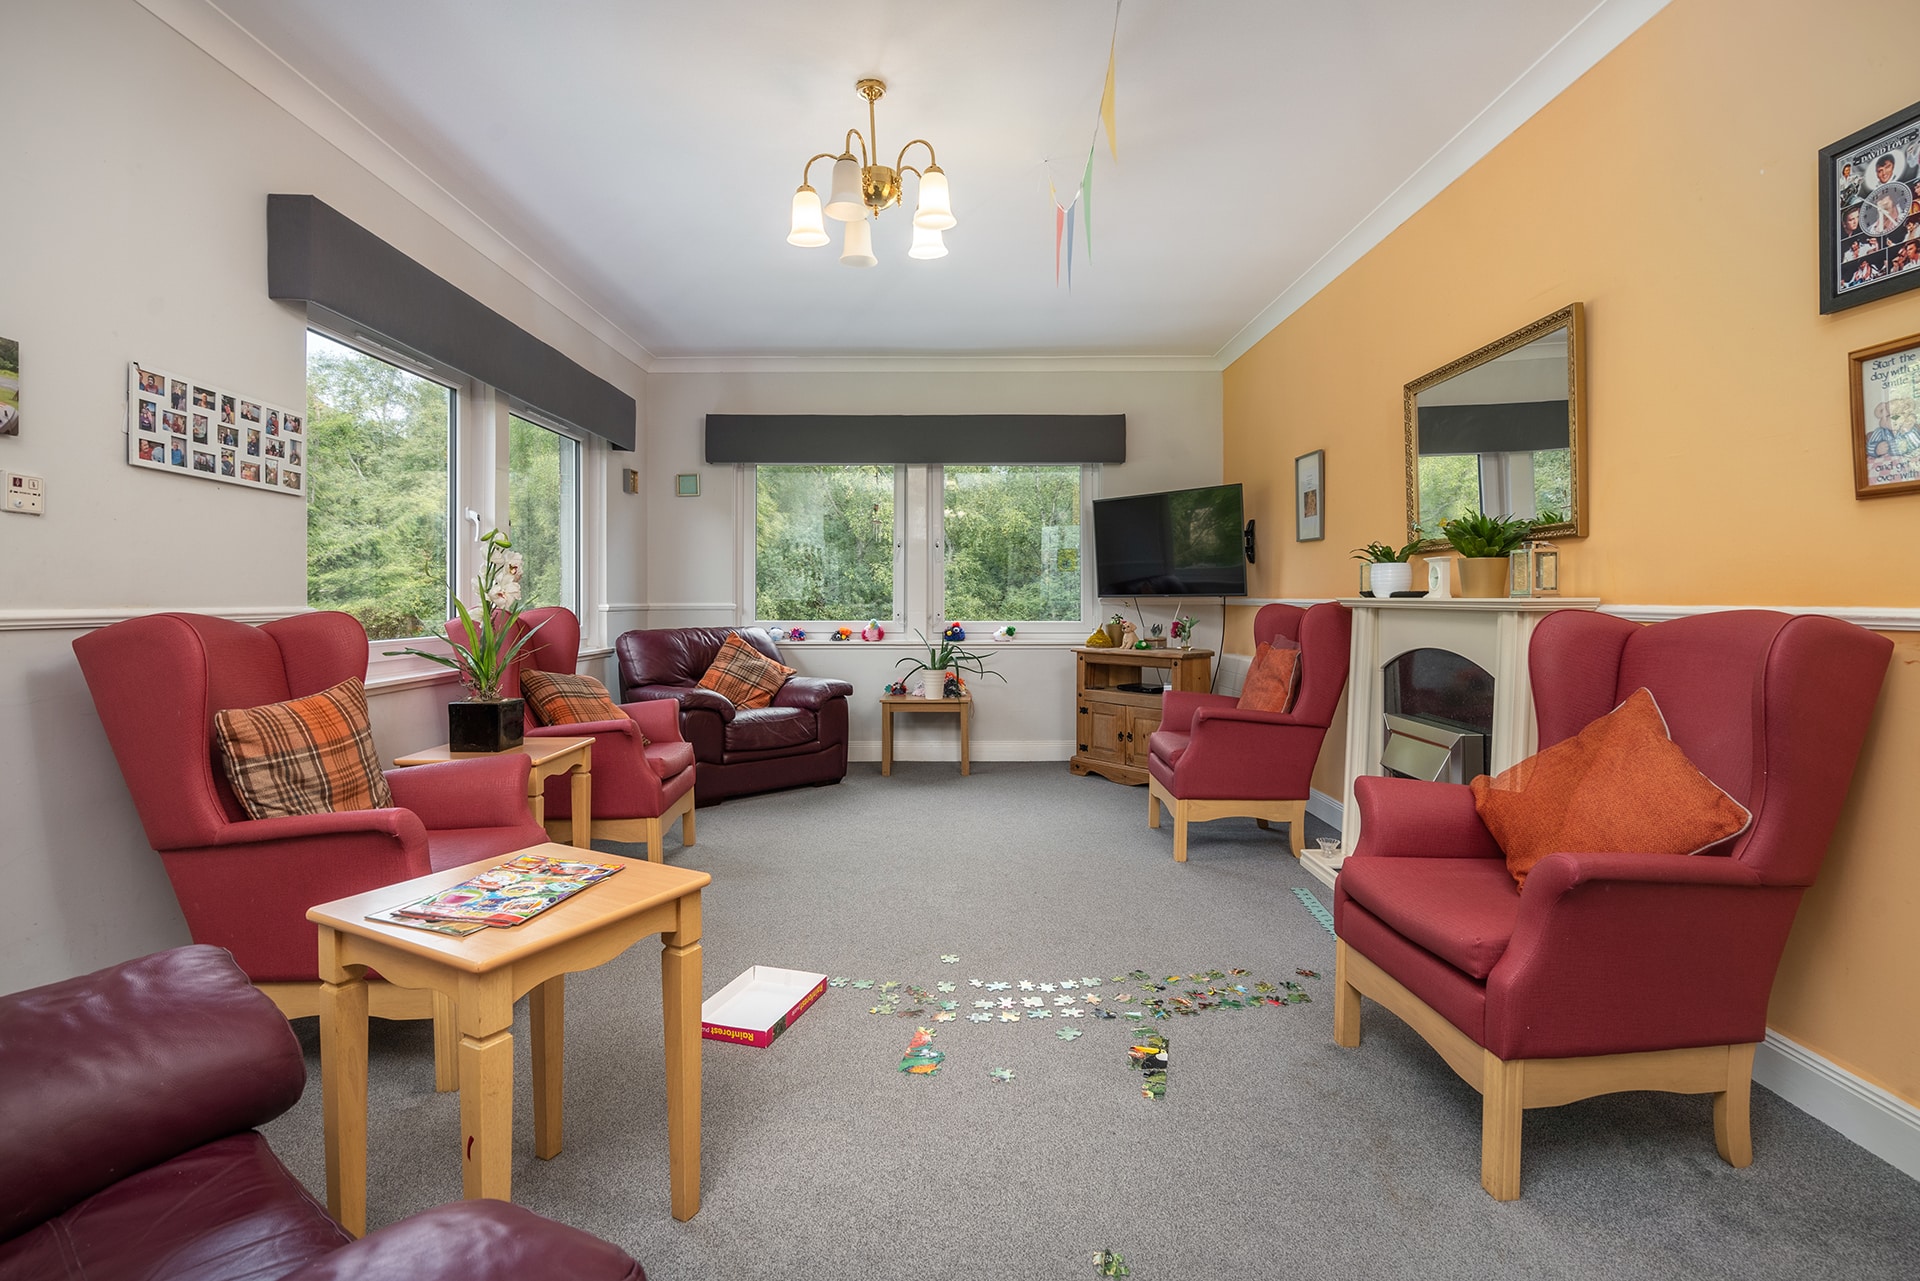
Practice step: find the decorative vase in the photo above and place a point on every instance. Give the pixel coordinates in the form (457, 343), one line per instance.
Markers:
(1113, 633)
(1483, 577)
(485, 725)
(1391, 576)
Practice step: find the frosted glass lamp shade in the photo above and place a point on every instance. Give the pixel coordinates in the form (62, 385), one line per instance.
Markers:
(809, 232)
(843, 199)
(935, 211)
(858, 249)
(927, 243)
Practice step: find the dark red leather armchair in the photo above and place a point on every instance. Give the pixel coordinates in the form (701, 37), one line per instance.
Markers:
(800, 740)
(643, 770)
(128, 1099)
(1209, 759)
(1622, 970)
(246, 885)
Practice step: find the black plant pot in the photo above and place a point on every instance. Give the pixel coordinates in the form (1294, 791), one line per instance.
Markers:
(475, 726)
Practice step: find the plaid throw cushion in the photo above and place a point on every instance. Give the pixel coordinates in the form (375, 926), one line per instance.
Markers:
(312, 755)
(559, 699)
(743, 675)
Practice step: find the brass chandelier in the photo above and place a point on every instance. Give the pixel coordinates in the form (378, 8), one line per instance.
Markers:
(862, 188)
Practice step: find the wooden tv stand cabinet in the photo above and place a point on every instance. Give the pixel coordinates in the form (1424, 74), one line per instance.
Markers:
(1111, 725)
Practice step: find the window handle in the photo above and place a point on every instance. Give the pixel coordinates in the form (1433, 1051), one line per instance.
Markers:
(473, 518)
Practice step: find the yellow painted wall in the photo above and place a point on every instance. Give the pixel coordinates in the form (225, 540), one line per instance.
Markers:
(1672, 190)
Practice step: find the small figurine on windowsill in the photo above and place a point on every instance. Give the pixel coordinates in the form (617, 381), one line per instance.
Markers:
(1003, 633)
(796, 633)
(843, 633)
(872, 631)
(954, 632)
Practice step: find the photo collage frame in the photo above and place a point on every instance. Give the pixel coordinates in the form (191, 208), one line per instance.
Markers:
(182, 425)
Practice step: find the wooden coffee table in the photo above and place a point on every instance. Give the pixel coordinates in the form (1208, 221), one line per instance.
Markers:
(482, 975)
(891, 703)
(551, 757)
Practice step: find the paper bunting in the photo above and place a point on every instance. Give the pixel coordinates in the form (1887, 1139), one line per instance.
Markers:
(1080, 206)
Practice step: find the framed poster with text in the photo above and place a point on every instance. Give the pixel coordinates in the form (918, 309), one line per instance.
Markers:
(1310, 497)
(1886, 418)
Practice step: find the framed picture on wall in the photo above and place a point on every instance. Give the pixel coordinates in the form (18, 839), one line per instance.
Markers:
(1870, 213)
(1886, 418)
(1310, 497)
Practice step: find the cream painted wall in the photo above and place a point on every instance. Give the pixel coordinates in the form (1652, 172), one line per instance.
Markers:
(134, 216)
(1672, 190)
(694, 544)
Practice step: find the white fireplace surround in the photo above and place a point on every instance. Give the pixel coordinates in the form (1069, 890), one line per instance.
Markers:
(1492, 633)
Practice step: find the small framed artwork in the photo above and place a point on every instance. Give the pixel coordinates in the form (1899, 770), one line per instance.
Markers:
(1870, 213)
(1886, 418)
(1310, 497)
(9, 387)
(687, 485)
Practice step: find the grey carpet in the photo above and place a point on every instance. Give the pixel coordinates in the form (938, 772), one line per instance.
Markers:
(1275, 1154)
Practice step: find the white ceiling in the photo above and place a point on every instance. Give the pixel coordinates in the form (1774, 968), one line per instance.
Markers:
(644, 153)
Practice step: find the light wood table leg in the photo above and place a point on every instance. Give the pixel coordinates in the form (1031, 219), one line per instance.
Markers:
(343, 1093)
(537, 796)
(886, 739)
(966, 738)
(486, 1116)
(549, 1010)
(582, 808)
(680, 990)
(446, 1045)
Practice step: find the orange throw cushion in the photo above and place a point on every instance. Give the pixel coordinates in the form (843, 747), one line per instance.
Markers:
(1618, 786)
(743, 675)
(313, 755)
(560, 699)
(1273, 679)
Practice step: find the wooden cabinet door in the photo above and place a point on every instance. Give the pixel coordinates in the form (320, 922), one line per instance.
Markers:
(1106, 732)
(1140, 726)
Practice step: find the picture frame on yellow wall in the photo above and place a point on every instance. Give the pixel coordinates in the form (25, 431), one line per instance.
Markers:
(1870, 213)
(1310, 497)
(1886, 418)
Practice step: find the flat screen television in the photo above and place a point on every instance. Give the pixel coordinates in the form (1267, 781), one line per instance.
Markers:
(1185, 542)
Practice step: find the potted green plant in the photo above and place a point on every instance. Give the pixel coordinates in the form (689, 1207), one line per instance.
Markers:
(1484, 542)
(484, 721)
(1388, 570)
(944, 660)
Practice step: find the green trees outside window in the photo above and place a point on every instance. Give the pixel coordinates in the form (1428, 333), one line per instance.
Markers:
(378, 464)
(543, 494)
(823, 542)
(1013, 543)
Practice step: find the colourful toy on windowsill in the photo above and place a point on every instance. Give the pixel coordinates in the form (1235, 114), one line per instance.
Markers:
(779, 633)
(954, 632)
(1003, 633)
(843, 633)
(873, 631)
(796, 633)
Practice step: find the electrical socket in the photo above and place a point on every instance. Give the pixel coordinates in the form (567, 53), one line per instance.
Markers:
(24, 494)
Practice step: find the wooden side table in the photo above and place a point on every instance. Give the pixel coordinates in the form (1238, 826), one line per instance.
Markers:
(551, 757)
(482, 975)
(891, 703)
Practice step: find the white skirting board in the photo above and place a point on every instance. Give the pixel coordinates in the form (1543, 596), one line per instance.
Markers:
(948, 749)
(1882, 1123)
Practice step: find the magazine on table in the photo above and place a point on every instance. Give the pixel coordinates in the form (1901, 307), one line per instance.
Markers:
(510, 894)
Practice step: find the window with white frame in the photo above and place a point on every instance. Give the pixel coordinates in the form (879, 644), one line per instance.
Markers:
(1011, 536)
(380, 459)
(825, 542)
(408, 465)
(543, 505)
(830, 543)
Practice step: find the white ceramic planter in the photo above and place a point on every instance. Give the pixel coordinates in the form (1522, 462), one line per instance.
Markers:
(1390, 577)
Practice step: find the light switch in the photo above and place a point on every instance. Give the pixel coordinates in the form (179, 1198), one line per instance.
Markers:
(24, 494)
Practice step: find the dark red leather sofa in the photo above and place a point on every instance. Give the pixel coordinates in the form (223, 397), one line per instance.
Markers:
(801, 740)
(128, 1099)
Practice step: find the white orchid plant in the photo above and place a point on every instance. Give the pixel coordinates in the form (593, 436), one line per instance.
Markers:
(483, 657)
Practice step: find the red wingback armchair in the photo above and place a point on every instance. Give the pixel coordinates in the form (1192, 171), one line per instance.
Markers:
(643, 770)
(246, 884)
(129, 1099)
(1209, 759)
(1621, 970)
(799, 741)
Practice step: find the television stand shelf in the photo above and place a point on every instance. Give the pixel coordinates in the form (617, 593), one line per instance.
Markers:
(1112, 723)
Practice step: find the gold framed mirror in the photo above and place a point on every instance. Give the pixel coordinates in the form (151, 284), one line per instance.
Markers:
(1503, 430)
